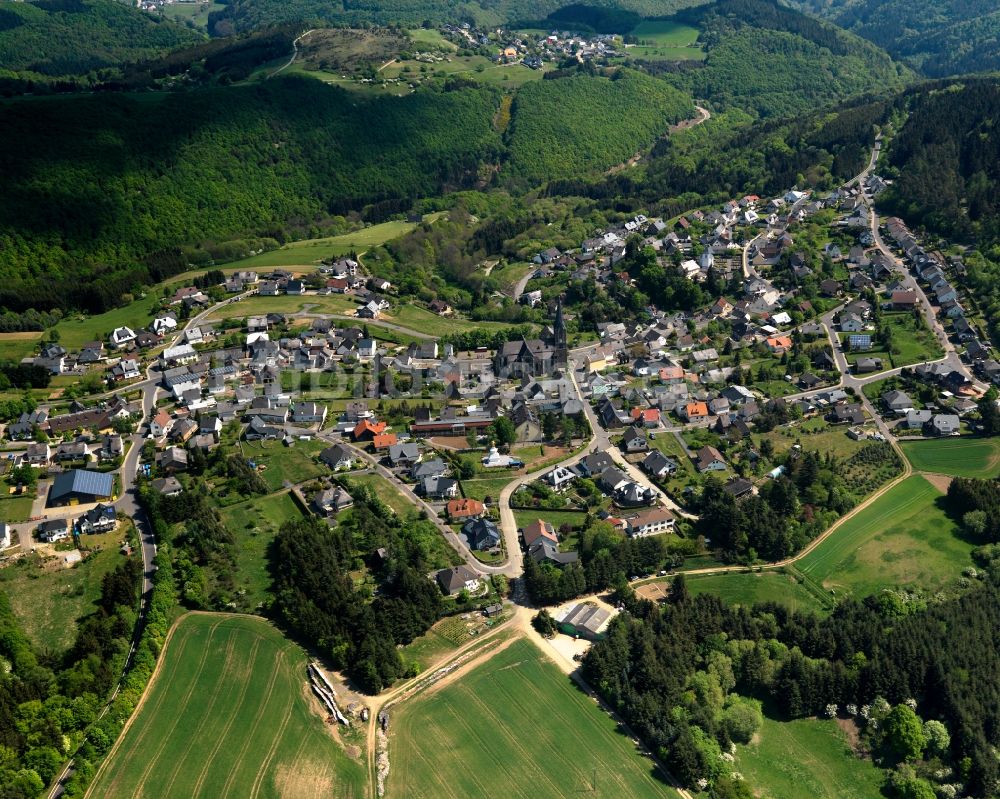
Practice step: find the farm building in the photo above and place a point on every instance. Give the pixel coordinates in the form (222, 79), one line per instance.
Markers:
(585, 620)
(81, 486)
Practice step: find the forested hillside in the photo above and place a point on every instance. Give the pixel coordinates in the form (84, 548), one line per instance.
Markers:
(774, 61)
(730, 155)
(93, 184)
(938, 37)
(72, 37)
(564, 127)
(242, 15)
(947, 160)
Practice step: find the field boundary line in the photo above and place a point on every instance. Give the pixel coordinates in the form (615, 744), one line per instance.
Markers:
(139, 705)
(179, 711)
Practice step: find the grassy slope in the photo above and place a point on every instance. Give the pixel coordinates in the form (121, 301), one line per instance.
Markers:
(254, 524)
(514, 721)
(958, 457)
(49, 601)
(746, 589)
(226, 715)
(806, 757)
(904, 538)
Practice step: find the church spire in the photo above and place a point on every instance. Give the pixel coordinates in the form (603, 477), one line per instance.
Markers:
(559, 337)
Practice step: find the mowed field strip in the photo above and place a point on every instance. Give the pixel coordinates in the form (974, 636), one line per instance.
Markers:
(514, 726)
(902, 539)
(958, 457)
(228, 715)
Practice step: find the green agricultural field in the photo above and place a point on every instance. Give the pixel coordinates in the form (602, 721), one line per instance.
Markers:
(515, 721)
(664, 40)
(475, 67)
(227, 714)
(806, 757)
(48, 598)
(196, 13)
(665, 32)
(958, 457)
(746, 589)
(254, 524)
(15, 346)
(904, 538)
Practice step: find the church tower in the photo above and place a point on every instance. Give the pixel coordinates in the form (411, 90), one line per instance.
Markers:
(559, 338)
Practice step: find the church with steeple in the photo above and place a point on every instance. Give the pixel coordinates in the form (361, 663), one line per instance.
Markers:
(535, 357)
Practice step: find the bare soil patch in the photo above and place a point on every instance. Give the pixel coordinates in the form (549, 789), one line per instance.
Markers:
(940, 481)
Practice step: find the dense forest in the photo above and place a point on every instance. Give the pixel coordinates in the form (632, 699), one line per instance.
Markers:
(938, 37)
(74, 37)
(946, 158)
(773, 61)
(94, 185)
(317, 599)
(561, 128)
(918, 680)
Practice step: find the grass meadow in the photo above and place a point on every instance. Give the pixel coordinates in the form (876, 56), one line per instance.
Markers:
(904, 538)
(254, 524)
(749, 588)
(311, 251)
(958, 457)
(806, 757)
(228, 714)
(514, 726)
(49, 598)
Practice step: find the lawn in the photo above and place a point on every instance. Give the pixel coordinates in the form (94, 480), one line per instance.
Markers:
(430, 39)
(813, 434)
(806, 757)
(294, 464)
(911, 345)
(15, 507)
(75, 331)
(904, 538)
(49, 598)
(958, 457)
(557, 518)
(287, 304)
(228, 714)
(424, 321)
(386, 492)
(312, 251)
(746, 589)
(254, 524)
(480, 489)
(515, 721)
